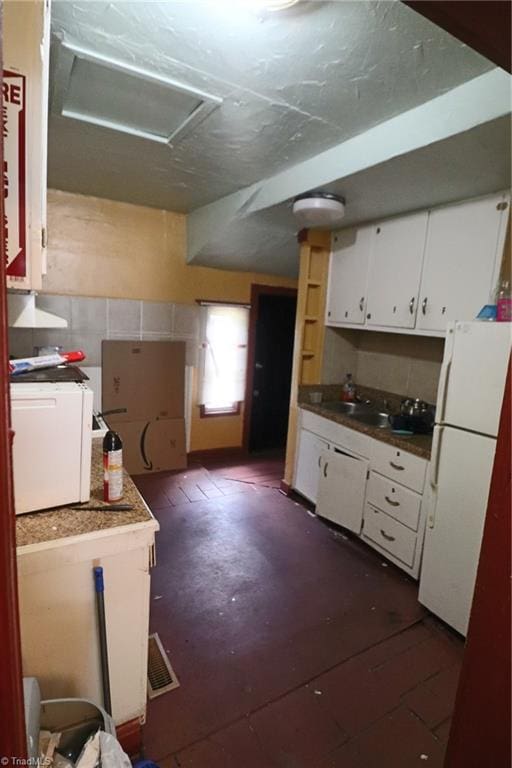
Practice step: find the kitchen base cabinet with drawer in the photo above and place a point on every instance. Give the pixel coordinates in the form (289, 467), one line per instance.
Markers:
(369, 487)
(394, 499)
(390, 537)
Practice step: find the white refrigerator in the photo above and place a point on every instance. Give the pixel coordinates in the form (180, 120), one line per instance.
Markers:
(468, 410)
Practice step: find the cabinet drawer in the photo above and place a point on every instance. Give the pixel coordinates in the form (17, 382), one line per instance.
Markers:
(398, 502)
(405, 468)
(390, 535)
(336, 433)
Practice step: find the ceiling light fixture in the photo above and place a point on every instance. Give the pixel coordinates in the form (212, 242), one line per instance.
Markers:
(319, 209)
(278, 5)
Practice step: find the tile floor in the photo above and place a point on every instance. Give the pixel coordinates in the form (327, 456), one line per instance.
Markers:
(295, 645)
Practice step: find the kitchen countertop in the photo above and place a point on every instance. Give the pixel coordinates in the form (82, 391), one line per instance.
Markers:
(419, 445)
(62, 522)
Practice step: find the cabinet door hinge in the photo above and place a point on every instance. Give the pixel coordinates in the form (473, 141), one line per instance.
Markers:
(367, 474)
(44, 237)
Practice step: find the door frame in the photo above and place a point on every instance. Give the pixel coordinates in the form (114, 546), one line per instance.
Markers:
(13, 742)
(257, 290)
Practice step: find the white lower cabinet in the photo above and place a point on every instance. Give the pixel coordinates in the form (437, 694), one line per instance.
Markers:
(365, 485)
(59, 632)
(309, 451)
(341, 488)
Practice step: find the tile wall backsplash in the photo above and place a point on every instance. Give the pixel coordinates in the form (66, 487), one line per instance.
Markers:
(400, 363)
(91, 320)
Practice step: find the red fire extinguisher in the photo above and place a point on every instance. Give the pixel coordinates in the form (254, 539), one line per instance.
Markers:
(112, 467)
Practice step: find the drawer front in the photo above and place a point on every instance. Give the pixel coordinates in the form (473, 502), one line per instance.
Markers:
(405, 468)
(336, 433)
(398, 502)
(390, 535)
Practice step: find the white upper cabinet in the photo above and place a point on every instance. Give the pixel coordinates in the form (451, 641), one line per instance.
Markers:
(25, 87)
(348, 275)
(422, 271)
(395, 270)
(462, 260)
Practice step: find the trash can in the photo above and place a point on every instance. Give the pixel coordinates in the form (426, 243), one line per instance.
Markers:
(76, 720)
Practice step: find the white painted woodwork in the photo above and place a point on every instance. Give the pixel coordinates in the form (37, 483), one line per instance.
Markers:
(398, 465)
(26, 40)
(394, 499)
(424, 270)
(395, 269)
(332, 432)
(462, 257)
(390, 535)
(309, 451)
(59, 632)
(455, 524)
(341, 488)
(355, 474)
(348, 275)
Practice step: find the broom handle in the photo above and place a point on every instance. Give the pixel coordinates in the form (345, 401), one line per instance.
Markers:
(102, 626)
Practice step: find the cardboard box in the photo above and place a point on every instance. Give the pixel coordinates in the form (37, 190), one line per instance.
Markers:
(145, 377)
(153, 446)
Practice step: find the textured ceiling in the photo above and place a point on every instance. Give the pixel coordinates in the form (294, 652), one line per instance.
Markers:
(469, 164)
(292, 83)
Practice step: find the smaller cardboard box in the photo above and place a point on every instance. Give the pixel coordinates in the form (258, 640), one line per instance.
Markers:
(152, 446)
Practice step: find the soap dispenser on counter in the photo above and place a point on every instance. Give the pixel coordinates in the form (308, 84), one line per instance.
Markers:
(348, 391)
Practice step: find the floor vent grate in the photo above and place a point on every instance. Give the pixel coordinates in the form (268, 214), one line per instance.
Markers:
(161, 676)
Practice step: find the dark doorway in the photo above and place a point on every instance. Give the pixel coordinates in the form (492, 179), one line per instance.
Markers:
(271, 335)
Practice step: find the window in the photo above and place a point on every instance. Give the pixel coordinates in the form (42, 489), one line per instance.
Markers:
(224, 358)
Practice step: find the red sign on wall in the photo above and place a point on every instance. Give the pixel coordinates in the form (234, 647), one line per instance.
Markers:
(14, 173)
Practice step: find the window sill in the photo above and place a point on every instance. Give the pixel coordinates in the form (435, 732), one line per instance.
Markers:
(209, 413)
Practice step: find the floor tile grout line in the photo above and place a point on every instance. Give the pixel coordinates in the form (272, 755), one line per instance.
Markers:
(295, 688)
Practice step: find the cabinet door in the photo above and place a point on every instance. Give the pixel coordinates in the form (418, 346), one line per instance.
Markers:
(464, 243)
(341, 488)
(307, 468)
(26, 37)
(395, 271)
(348, 274)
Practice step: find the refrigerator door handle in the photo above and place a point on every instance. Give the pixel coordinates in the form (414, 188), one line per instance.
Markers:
(443, 388)
(434, 459)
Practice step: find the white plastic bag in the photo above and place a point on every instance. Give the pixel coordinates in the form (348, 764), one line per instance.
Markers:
(111, 752)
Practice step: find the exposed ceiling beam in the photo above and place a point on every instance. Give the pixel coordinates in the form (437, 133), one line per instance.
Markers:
(483, 99)
(484, 25)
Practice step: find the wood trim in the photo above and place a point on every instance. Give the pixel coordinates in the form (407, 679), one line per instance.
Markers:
(209, 454)
(480, 733)
(484, 25)
(219, 303)
(257, 290)
(307, 365)
(285, 487)
(319, 238)
(129, 736)
(12, 716)
(204, 414)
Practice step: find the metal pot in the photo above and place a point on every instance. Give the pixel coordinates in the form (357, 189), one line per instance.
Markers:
(414, 407)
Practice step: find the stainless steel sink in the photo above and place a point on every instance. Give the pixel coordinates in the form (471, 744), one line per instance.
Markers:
(350, 409)
(372, 419)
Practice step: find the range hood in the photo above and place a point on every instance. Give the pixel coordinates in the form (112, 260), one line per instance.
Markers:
(23, 313)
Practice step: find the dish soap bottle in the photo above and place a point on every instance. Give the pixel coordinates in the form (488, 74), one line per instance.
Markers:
(348, 392)
(112, 467)
(504, 303)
